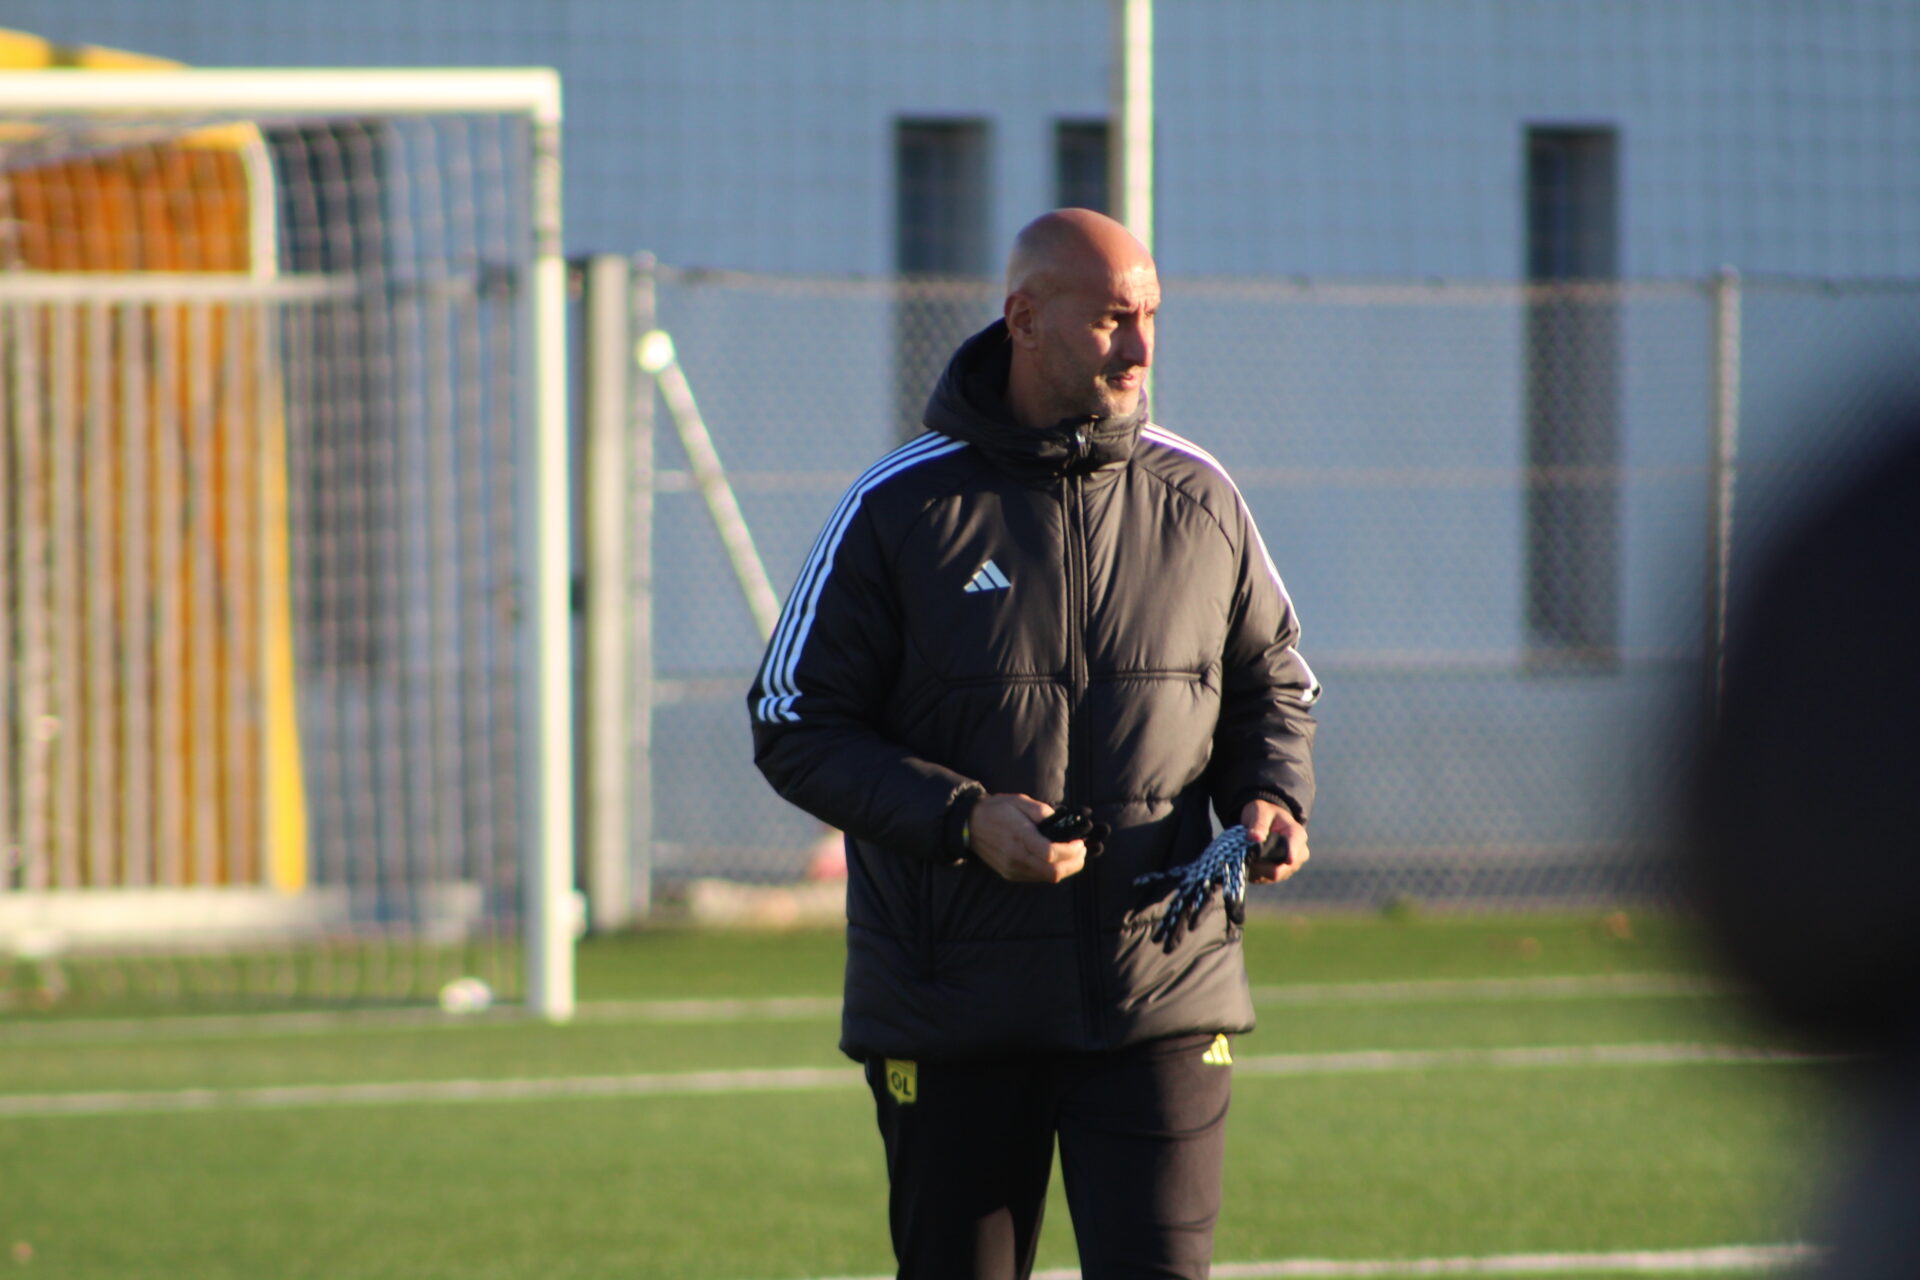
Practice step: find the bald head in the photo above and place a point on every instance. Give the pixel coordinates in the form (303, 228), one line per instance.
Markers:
(1081, 297)
(1069, 246)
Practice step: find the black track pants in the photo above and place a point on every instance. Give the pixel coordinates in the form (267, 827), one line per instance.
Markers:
(970, 1148)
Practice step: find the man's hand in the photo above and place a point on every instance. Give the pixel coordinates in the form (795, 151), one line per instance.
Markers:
(1003, 835)
(1289, 853)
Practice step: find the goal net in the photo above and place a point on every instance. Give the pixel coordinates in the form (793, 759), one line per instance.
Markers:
(278, 599)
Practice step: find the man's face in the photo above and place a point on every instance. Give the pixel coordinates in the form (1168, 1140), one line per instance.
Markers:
(1095, 343)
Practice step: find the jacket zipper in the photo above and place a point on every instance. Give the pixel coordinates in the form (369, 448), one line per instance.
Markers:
(1085, 896)
(929, 944)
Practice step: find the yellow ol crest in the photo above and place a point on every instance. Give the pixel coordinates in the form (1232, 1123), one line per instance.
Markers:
(903, 1081)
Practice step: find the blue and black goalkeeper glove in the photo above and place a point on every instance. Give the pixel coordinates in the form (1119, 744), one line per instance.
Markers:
(1222, 865)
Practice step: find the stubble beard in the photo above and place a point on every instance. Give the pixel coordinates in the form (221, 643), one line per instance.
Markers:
(1114, 403)
(1074, 398)
(1120, 403)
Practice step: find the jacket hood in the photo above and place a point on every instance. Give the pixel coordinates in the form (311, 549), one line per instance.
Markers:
(970, 404)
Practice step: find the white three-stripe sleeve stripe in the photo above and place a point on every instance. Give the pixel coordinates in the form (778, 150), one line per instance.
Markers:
(806, 588)
(778, 691)
(1161, 435)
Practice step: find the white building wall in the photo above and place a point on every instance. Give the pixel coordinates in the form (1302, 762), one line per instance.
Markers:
(1348, 137)
(1376, 136)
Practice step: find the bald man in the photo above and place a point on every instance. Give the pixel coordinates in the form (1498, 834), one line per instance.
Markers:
(1035, 652)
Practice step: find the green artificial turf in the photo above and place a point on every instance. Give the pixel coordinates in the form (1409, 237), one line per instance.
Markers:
(771, 1185)
(1471, 1162)
(440, 1050)
(680, 962)
(673, 963)
(1431, 1162)
(757, 1185)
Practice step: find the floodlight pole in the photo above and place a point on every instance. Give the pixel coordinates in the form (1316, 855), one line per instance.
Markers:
(1130, 145)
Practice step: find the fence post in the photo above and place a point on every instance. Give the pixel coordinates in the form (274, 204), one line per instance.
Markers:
(638, 596)
(1723, 452)
(608, 348)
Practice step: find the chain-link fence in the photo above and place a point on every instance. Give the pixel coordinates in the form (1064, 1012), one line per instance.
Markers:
(1492, 504)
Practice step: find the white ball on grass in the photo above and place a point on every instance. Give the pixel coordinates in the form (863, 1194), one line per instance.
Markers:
(466, 995)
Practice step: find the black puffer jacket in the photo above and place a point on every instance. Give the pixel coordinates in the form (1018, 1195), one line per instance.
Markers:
(1086, 615)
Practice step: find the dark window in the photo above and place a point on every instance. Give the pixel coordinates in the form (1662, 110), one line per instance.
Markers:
(1080, 165)
(941, 234)
(941, 178)
(1573, 398)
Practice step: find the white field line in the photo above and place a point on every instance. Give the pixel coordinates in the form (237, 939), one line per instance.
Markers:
(1488, 990)
(326, 1021)
(287, 1097)
(1741, 1258)
(781, 1009)
(1723, 1259)
(804, 1008)
(1592, 1055)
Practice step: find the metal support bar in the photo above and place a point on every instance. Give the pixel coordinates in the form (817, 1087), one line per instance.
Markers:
(657, 358)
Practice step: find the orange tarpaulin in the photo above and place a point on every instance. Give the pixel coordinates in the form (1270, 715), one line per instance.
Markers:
(143, 538)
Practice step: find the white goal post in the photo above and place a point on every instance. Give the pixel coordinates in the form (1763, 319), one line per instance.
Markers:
(142, 103)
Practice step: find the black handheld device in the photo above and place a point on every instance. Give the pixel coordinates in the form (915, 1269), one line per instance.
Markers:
(1065, 825)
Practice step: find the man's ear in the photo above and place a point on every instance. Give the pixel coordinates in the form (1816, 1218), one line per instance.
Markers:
(1022, 320)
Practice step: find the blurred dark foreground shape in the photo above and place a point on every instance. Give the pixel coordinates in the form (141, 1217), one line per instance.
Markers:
(1807, 850)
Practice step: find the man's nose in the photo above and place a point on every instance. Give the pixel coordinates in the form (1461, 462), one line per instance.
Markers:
(1137, 347)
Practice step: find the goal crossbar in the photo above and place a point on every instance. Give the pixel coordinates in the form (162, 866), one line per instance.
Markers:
(530, 91)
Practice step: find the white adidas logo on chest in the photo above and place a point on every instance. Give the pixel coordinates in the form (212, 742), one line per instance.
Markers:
(987, 578)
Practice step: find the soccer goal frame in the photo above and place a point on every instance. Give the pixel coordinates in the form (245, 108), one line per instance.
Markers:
(195, 97)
